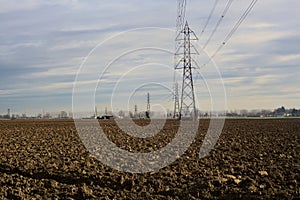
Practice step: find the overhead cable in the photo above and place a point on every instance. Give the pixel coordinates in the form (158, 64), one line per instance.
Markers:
(209, 17)
(218, 23)
(233, 30)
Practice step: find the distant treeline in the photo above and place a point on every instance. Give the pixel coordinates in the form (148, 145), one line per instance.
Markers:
(278, 112)
(60, 115)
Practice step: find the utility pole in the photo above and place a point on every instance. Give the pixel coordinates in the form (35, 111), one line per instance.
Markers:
(187, 104)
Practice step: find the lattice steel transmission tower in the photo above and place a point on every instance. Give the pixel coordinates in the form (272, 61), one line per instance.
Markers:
(181, 7)
(135, 111)
(176, 102)
(148, 102)
(187, 102)
(148, 106)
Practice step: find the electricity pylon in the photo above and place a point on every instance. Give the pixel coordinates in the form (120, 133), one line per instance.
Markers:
(148, 102)
(187, 101)
(176, 102)
(148, 106)
(135, 111)
(181, 6)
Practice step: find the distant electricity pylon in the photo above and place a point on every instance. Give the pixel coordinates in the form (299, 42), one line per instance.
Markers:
(187, 102)
(135, 111)
(148, 102)
(176, 102)
(148, 106)
(96, 112)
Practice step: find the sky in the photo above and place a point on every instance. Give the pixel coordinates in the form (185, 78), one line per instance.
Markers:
(113, 53)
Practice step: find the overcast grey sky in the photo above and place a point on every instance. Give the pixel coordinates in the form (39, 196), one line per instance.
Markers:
(44, 42)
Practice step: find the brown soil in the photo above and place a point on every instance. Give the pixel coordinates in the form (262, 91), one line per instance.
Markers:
(254, 158)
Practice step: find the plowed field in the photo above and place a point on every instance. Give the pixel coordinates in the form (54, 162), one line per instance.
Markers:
(254, 158)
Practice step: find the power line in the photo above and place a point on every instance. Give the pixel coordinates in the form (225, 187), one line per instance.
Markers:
(219, 22)
(233, 30)
(242, 18)
(209, 17)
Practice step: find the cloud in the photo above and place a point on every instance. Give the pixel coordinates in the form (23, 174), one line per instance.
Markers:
(14, 5)
(43, 43)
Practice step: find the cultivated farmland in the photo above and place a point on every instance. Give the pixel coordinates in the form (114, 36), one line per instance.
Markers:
(254, 158)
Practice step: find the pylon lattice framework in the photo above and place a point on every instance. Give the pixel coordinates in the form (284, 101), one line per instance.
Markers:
(176, 103)
(187, 101)
(148, 102)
